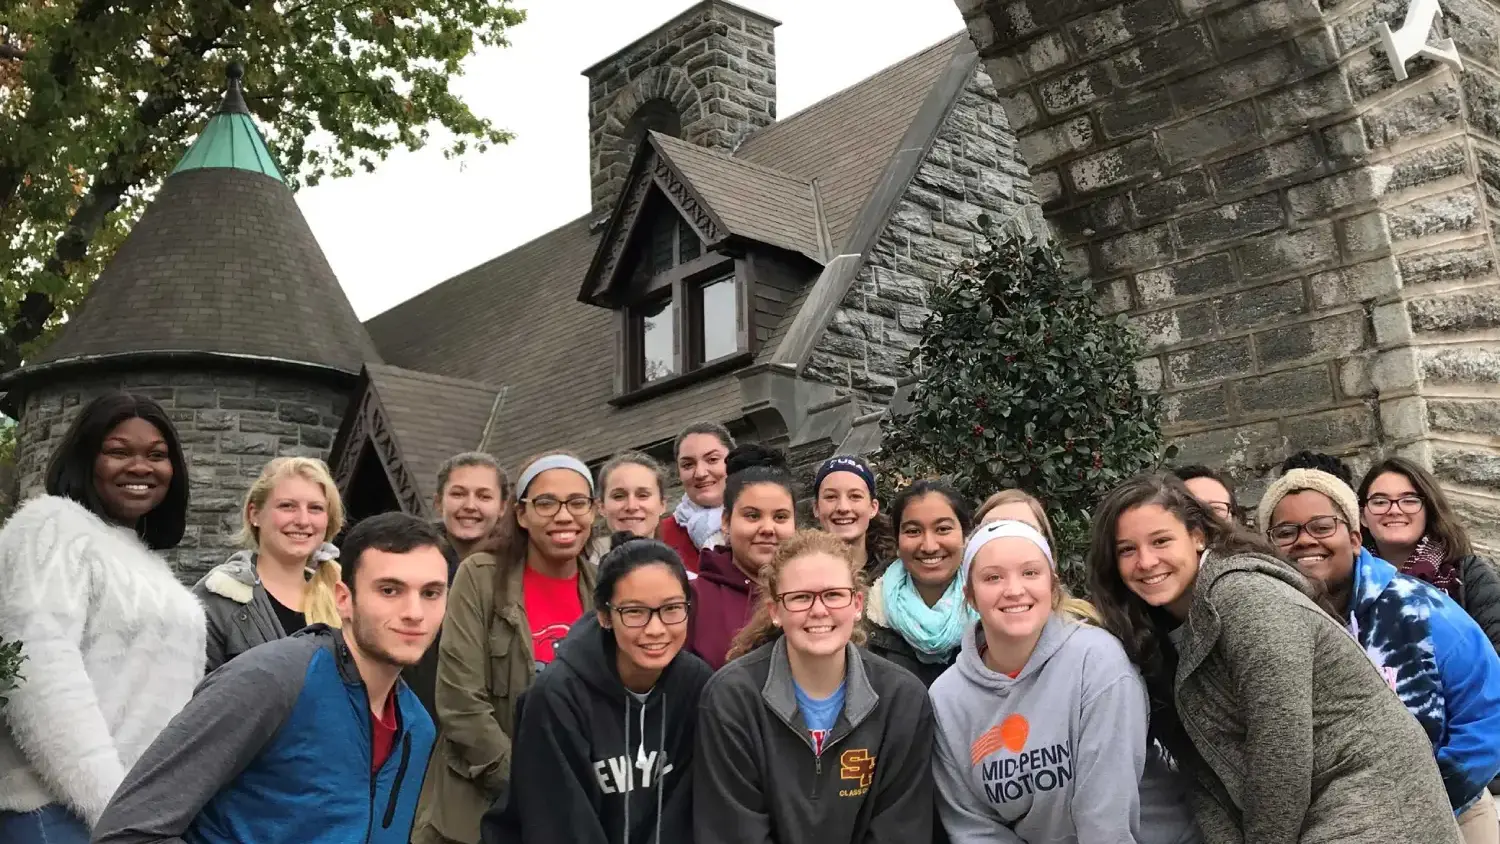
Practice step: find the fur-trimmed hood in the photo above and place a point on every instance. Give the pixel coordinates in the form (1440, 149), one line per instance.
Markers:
(234, 578)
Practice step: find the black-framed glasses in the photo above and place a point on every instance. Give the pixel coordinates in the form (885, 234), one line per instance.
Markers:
(670, 614)
(1222, 509)
(1286, 533)
(546, 506)
(1380, 504)
(833, 599)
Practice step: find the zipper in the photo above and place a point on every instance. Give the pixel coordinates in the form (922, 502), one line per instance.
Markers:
(390, 804)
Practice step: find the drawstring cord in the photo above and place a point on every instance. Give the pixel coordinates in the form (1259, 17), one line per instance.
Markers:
(630, 771)
(661, 759)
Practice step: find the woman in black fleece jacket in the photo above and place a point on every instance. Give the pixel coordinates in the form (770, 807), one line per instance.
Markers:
(809, 739)
(603, 752)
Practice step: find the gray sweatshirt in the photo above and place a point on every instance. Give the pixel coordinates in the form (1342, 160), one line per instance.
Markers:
(1055, 756)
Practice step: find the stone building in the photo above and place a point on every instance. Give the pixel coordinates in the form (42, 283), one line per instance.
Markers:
(221, 306)
(1306, 242)
(1306, 236)
(766, 273)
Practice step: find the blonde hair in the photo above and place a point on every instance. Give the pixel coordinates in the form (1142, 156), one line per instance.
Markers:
(318, 605)
(760, 630)
(1076, 609)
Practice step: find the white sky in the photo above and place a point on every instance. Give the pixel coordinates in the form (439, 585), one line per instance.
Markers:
(419, 219)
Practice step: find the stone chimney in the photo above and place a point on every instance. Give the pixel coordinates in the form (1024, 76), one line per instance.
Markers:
(708, 76)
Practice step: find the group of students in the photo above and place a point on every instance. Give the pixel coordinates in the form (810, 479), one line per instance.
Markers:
(562, 659)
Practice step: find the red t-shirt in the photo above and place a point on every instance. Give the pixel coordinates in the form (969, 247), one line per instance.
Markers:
(383, 732)
(552, 605)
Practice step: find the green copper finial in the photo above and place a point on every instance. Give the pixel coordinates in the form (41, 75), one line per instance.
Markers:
(231, 139)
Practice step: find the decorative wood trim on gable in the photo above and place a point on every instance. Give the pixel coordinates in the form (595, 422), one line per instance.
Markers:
(687, 202)
(368, 423)
(650, 169)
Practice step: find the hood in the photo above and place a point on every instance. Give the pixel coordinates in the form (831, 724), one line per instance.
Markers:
(716, 565)
(1055, 634)
(589, 650)
(1371, 577)
(234, 578)
(1216, 566)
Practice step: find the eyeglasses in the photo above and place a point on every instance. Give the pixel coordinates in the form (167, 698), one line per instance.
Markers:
(546, 506)
(1286, 533)
(833, 599)
(1380, 505)
(1222, 509)
(670, 614)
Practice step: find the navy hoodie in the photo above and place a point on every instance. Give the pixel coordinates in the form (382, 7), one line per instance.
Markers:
(590, 763)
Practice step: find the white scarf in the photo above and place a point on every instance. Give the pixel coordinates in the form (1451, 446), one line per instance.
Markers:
(702, 524)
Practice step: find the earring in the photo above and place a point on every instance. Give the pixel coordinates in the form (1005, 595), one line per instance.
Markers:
(1200, 549)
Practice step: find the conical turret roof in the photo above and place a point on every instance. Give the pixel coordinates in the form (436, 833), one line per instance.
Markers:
(222, 263)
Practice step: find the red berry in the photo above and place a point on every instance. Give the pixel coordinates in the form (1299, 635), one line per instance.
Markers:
(978, 430)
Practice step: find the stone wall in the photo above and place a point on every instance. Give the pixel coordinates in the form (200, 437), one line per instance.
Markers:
(230, 425)
(971, 169)
(715, 65)
(1304, 241)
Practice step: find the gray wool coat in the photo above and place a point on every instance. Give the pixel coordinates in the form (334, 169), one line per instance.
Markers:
(1300, 737)
(239, 611)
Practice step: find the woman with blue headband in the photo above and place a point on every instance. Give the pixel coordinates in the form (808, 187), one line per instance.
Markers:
(508, 610)
(1041, 723)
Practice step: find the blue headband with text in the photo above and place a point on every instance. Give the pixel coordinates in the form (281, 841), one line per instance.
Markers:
(846, 463)
(552, 461)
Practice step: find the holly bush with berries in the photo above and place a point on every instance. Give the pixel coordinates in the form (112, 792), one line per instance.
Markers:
(1026, 383)
(10, 667)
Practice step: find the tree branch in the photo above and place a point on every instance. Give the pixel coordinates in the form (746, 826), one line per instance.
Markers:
(12, 53)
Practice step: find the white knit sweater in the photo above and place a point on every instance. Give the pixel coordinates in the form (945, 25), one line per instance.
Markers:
(114, 648)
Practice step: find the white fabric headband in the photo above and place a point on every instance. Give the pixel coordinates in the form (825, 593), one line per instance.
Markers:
(997, 530)
(552, 461)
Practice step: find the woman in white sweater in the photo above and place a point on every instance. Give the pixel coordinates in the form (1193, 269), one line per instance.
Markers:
(114, 644)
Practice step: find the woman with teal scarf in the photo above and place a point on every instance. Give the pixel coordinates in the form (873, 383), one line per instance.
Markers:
(916, 611)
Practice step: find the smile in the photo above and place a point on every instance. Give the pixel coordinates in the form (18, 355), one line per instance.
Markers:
(1017, 610)
(1310, 558)
(842, 521)
(297, 536)
(818, 629)
(654, 647)
(563, 537)
(1155, 578)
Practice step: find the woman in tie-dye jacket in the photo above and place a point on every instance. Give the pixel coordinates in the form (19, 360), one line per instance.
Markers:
(1429, 650)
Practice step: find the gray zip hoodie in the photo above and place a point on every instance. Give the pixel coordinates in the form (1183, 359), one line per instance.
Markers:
(1055, 756)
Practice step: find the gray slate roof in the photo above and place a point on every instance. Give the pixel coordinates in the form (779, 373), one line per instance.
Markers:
(434, 417)
(221, 262)
(516, 320)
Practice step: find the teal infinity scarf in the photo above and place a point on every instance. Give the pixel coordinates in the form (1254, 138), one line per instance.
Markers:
(933, 632)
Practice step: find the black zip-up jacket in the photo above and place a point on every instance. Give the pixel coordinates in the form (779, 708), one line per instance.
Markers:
(758, 780)
(590, 763)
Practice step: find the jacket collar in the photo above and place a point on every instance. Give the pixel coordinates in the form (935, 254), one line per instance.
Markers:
(780, 694)
(235, 578)
(1203, 622)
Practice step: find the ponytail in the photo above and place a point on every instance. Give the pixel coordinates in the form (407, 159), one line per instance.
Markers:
(318, 605)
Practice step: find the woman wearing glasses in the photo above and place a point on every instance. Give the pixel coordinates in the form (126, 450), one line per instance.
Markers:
(604, 743)
(1429, 650)
(807, 738)
(507, 613)
(1410, 524)
(1285, 729)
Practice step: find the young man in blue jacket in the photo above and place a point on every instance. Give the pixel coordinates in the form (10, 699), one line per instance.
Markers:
(314, 738)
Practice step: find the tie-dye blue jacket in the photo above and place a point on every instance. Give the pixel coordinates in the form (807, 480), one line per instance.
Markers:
(1440, 664)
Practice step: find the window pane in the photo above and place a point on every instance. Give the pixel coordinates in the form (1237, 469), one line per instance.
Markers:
(662, 230)
(657, 329)
(717, 309)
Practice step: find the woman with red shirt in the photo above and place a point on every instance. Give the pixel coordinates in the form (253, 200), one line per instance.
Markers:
(701, 450)
(759, 513)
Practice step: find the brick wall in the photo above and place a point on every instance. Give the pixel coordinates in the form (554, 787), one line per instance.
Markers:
(230, 425)
(1303, 241)
(971, 169)
(715, 64)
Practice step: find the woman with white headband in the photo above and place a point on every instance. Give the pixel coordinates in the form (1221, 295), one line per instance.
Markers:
(1041, 724)
(507, 612)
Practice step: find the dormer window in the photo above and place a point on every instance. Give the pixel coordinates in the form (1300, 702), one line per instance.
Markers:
(686, 310)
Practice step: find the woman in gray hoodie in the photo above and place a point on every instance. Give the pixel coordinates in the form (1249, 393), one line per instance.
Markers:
(1287, 730)
(1041, 724)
